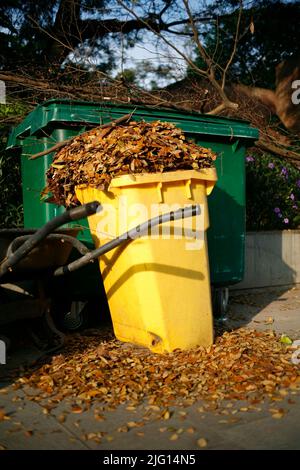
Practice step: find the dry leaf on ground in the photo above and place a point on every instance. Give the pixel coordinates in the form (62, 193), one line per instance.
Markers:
(202, 442)
(132, 377)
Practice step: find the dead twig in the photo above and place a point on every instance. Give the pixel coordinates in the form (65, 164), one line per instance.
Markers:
(277, 150)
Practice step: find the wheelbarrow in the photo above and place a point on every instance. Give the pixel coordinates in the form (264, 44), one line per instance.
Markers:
(28, 258)
(42, 254)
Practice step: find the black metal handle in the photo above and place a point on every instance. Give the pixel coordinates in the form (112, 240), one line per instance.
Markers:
(81, 212)
(135, 232)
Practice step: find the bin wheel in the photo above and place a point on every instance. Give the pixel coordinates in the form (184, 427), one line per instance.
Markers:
(220, 301)
(74, 319)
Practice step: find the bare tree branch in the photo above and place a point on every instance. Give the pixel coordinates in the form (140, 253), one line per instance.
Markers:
(236, 39)
(210, 73)
(277, 150)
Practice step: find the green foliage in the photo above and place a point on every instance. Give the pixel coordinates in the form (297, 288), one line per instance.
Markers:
(11, 210)
(127, 76)
(273, 193)
(43, 33)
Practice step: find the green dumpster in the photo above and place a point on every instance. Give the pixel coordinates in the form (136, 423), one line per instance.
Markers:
(57, 120)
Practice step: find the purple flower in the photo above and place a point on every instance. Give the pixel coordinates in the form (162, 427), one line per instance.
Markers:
(279, 215)
(271, 166)
(249, 158)
(286, 220)
(277, 210)
(284, 171)
(295, 206)
(292, 196)
(298, 183)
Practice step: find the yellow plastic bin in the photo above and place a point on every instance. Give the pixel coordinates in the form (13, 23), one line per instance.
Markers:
(157, 286)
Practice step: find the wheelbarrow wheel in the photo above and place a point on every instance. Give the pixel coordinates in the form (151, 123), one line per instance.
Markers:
(44, 333)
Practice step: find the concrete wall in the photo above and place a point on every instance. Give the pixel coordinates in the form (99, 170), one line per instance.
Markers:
(272, 259)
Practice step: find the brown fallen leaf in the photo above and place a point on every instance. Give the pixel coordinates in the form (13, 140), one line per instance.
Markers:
(202, 442)
(190, 430)
(123, 429)
(132, 424)
(77, 409)
(278, 415)
(99, 417)
(3, 414)
(61, 418)
(16, 399)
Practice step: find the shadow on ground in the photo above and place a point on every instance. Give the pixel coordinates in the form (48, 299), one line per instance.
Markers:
(277, 309)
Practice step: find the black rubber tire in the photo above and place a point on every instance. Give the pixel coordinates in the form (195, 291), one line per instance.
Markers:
(75, 318)
(220, 301)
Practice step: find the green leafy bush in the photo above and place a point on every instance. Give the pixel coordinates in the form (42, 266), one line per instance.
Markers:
(11, 210)
(273, 193)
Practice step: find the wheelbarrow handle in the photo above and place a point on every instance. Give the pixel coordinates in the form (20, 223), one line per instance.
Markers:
(32, 241)
(81, 212)
(136, 232)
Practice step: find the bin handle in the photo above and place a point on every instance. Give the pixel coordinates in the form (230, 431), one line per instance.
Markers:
(135, 232)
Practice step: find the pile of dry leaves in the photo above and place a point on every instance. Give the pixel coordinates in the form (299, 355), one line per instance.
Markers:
(241, 365)
(97, 156)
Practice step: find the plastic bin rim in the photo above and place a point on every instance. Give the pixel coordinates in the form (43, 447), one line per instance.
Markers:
(112, 104)
(137, 179)
(209, 174)
(26, 126)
